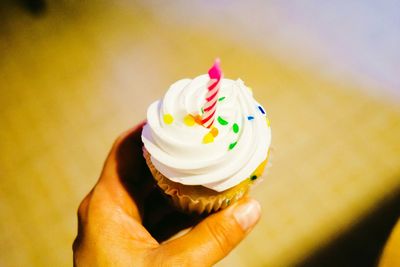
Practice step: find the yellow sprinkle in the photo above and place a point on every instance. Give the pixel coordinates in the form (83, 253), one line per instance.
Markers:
(189, 120)
(214, 131)
(268, 122)
(208, 138)
(168, 119)
(260, 169)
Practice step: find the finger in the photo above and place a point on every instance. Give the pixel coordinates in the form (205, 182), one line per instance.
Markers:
(213, 238)
(123, 166)
(125, 155)
(129, 183)
(82, 219)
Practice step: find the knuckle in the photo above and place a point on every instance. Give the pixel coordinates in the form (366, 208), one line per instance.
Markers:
(173, 259)
(83, 206)
(160, 257)
(176, 261)
(75, 244)
(120, 139)
(117, 141)
(220, 235)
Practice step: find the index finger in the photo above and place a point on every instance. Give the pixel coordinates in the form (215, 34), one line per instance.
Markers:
(127, 179)
(125, 170)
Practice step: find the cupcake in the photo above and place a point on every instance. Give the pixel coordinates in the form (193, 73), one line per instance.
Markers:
(206, 142)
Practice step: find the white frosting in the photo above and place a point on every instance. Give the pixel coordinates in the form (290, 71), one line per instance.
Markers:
(178, 151)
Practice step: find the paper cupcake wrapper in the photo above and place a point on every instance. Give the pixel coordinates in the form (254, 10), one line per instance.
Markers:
(199, 199)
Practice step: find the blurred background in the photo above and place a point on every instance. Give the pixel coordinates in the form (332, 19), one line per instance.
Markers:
(75, 74)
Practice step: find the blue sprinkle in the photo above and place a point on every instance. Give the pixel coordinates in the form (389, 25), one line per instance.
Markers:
(250, 118)
(261, 109)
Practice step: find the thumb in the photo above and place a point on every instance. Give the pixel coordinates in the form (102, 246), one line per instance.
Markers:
(213, 238)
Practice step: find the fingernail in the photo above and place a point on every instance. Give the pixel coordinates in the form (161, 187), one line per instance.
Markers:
(247, 214)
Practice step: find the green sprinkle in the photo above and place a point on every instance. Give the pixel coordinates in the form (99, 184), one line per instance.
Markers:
(235, 128)
(228, 201)
(231, 146)
(253, 177)
(202, 110)
(221, 98)
(222, 121)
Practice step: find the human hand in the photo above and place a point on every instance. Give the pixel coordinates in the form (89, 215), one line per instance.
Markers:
(124, 219)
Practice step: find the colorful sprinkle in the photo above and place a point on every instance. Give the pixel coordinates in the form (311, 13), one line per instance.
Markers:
(235, 128)
(214, 131)
(221, 98)
(198, 119)
(250, 118)
(202, 110)
(253, 177)
(208, 138)
(228, 201)
(168, 119)
(188, 120)
(268, 122)
(222, 121)
(261, 109)
(231, 146)
(260, 169)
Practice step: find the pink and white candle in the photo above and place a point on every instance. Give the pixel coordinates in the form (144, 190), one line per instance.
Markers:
(213, 86)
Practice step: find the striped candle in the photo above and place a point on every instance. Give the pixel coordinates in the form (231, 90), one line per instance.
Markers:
(213, 86)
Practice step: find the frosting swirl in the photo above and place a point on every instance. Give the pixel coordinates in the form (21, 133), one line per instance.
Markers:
(178, 149)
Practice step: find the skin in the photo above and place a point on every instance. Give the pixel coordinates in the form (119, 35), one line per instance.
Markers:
(391, 253)
(125, 220)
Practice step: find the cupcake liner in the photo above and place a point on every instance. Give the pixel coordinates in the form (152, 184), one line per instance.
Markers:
(196, 198)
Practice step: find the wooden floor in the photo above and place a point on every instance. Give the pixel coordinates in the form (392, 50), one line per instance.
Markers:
(76, 74)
